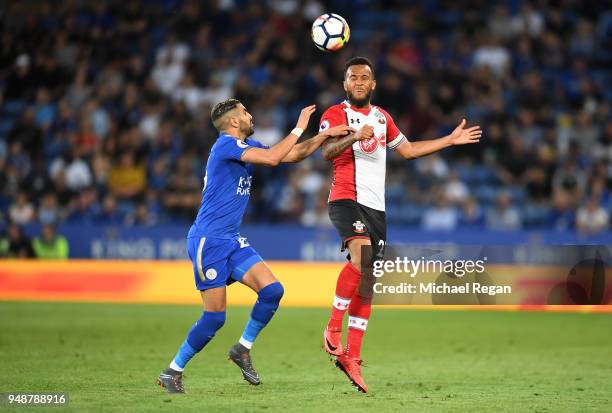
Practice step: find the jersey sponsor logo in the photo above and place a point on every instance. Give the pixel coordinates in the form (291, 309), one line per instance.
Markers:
(244, 185)
(370, 145)
(324, 125)
(359, 227)
(211, 273)
(242, 144)
(243, 242)
(380, 117)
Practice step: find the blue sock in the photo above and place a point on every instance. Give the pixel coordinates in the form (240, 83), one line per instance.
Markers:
(200, 334)
(268, 300)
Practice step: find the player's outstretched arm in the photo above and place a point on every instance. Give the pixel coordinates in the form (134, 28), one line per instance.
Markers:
(460, 136)
(334, 147)
(274, 155)
(305, 149)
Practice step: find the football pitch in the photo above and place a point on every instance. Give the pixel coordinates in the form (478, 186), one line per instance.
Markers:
(107, 357)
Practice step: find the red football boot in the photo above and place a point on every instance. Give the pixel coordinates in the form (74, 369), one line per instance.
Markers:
(332, 341)
(352, 368)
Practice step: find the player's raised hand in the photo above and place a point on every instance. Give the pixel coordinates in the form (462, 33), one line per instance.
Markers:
(304, 118)
(340, 130)
(366, 132)
(462, 135)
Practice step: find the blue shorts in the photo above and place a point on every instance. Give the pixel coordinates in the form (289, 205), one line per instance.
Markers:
(219, 262)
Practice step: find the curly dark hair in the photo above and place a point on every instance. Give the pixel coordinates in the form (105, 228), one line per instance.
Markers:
(358, 60)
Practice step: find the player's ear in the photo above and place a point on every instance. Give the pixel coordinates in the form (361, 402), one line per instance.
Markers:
(373, 84)
(344, 85)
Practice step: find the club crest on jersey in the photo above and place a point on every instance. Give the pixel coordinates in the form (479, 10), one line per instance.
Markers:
(244, 185)
(211, 273)
(380, 117)
(359, 227)
(370, 145)
(242, 144)
(324, 125)
(243, 242)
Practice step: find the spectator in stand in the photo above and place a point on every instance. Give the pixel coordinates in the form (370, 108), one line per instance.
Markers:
(591, 218)
(128, 179)
(442, 217)
(504, 217)
(455, 190)
(562, 216)
(50, 245)
(20, 83)
(19, 246)
(48, 210)
(28, 134)
(81, 95)
(472, 216)
(141, 217)
(22, 212)
(182, 194)
(109, 213)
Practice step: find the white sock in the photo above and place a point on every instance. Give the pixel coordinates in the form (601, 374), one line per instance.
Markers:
(248, 344)
(175, 366)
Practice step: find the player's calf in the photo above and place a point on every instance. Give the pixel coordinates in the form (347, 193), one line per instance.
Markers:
(268, 300)
(200, 334)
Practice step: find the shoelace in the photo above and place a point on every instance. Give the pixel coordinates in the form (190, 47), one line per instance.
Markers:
(178, 381)
(247, 361)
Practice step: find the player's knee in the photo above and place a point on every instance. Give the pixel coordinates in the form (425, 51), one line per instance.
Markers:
(272, 292)
(356, 261)
(216, 319)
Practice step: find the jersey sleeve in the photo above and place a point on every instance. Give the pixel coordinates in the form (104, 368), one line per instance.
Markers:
(394, 136)
(256, 144)
(333, 116)
(230, 148)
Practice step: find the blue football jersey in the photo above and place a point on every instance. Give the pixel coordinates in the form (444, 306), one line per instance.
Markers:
(227, 188)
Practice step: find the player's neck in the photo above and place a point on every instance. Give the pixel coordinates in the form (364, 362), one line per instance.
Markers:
(363, 106)
(235, 133)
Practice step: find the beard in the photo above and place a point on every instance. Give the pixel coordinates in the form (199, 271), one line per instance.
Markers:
(247, 129)
(359, 102)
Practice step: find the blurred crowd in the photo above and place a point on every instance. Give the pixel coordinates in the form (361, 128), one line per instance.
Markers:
(105, 106)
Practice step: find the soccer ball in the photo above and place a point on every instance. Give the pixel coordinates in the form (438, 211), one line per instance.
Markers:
(330, 32)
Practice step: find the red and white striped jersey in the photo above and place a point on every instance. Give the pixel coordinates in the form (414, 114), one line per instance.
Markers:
(359, 172)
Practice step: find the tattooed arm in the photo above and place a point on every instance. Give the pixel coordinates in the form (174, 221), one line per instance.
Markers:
(331, 148)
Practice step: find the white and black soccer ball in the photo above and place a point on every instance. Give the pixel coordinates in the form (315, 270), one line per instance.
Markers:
(330, 32)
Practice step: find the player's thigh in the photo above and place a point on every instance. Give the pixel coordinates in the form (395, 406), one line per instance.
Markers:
(210, 262)
(258, 276)
(376, 222)
(348, 220)
(356, 247)
(248, 267)
(214, 299)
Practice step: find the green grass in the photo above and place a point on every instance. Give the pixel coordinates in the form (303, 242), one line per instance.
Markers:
(107, 357)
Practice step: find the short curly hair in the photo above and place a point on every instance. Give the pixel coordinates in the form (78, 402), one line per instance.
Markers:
(358, 60)
(219, 111)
